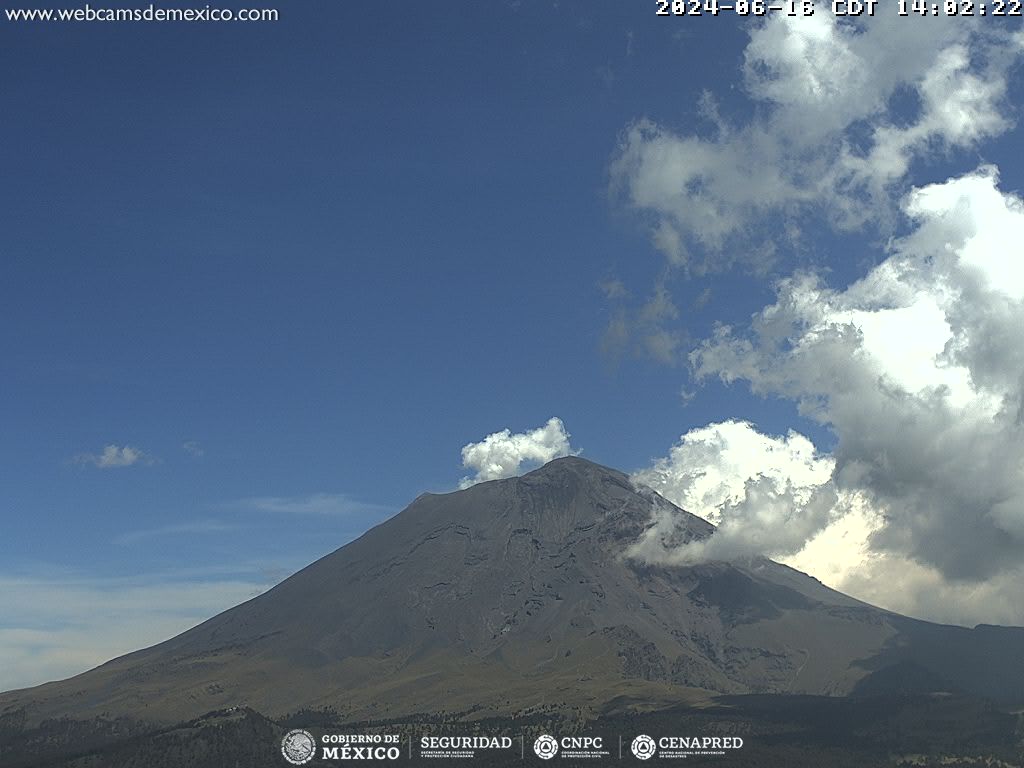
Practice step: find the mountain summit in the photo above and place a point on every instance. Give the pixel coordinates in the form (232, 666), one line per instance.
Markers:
(520, 592)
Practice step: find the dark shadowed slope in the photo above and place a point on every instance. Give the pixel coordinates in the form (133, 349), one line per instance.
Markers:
(515, 593)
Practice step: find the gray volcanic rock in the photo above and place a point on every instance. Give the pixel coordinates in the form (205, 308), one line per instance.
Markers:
(515, 594)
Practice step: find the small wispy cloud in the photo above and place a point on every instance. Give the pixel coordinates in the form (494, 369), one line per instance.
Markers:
(311, 504)
(192, 448)
(648, 331)
(194, 527)
(114, 456)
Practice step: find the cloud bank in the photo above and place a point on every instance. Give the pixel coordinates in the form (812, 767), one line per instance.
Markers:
(916, 368)
(501, 454)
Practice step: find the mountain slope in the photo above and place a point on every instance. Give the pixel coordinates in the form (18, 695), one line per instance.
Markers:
(516, 594)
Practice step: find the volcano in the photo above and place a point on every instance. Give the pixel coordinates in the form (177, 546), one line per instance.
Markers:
(520, 593)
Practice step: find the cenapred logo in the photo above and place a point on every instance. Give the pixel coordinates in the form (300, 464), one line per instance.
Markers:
(298, 746)
(545, 746)
(643, 747)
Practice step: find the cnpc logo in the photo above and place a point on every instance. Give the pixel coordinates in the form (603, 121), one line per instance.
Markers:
(546, 747)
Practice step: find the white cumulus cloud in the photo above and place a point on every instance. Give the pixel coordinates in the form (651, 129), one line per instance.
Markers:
(767, 495)
(501, 454)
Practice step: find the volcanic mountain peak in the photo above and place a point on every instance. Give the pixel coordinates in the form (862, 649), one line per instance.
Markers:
(575, 470)
(520, 590)
(559, 501)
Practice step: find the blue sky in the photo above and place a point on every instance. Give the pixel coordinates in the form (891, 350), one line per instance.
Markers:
(283, 272)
